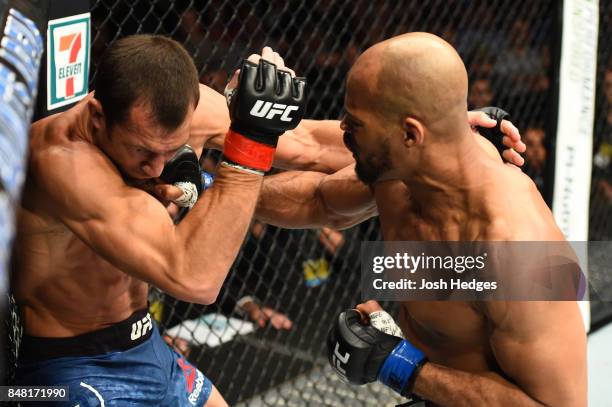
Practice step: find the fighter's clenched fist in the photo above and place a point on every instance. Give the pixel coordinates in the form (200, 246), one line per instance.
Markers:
(267, 101)
(362, 354)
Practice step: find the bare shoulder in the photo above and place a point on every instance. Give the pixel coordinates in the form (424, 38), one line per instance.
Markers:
(210, 120)
(54, 148)
(516, 209)
(65, 167)
(525, 319)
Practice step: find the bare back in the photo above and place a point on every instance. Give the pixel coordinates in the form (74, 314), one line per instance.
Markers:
(62, 286)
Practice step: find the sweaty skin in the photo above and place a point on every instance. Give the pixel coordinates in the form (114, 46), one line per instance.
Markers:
(481, 354)
(89, 238)
(88, 243)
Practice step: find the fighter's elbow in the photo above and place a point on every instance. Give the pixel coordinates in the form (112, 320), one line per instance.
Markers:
(205, 291)
(197, 292)
(180, 280)
(206, 295)
(341, 221)
(336, 222)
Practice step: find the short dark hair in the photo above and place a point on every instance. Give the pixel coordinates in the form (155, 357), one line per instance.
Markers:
(151, 69)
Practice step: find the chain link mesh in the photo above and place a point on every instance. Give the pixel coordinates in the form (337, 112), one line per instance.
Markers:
(309, 276)
(600, 222)
(601, 196)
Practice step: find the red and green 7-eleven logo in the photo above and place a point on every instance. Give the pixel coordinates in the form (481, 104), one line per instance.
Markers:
(70, 43)
(67, 60)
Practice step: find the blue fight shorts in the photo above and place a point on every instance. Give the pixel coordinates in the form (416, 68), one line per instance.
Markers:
(127, 364)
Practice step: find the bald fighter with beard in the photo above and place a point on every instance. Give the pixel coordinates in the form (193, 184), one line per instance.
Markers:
(428, 179)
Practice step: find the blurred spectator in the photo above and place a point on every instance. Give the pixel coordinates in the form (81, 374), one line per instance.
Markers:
(605, 189)
(535, 156)
(602, 160)
(476, 42)
(203, 32)
(251, 277)
(332, 56)
(238, 296)
(480, 94)
(331, 239)
(215, 78)
(481, 63)
(607, 89)
(601, 199)
(521, 68)
(316, 268)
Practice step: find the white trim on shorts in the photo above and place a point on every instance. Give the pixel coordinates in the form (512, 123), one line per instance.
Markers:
(83, 384)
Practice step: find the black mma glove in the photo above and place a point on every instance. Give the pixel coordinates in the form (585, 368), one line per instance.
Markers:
(266, 103)
(184, 172)
(494, 134)
(362, 354)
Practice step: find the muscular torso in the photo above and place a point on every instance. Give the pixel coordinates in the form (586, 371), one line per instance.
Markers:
(451, 333)
(62, 286)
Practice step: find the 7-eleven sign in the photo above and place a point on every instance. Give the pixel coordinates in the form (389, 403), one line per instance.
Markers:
(68, 42)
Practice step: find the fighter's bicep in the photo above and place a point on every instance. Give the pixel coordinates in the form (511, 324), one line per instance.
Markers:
(126, 222)
(123, 224)
(541, 346)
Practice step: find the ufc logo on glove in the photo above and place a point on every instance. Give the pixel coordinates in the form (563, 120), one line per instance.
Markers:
(266, 103)
(338, 359)
(260, 108)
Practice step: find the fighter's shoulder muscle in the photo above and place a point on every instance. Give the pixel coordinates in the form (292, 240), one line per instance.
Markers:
(210, 120)
(70, 173)
(519, 212)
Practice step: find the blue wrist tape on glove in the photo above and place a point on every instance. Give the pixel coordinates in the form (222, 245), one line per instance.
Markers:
(400, 365)
(207, 180)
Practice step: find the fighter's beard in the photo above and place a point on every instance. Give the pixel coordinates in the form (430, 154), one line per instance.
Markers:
(370, 168)
(367, 174)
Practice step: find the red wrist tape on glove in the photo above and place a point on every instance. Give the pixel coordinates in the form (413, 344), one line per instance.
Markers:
(247, 152)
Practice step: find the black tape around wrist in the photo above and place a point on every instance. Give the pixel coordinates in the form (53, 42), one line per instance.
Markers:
(255, 135)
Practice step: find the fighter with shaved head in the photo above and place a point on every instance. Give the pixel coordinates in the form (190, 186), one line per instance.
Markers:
(429, 178)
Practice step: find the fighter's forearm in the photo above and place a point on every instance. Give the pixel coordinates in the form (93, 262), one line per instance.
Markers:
(305, 199)
(315, 145)
(291, 200)
(213, 232)
(455, 388)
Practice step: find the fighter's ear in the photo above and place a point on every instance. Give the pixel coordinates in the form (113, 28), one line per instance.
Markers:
(414, 132)
(96, 112)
